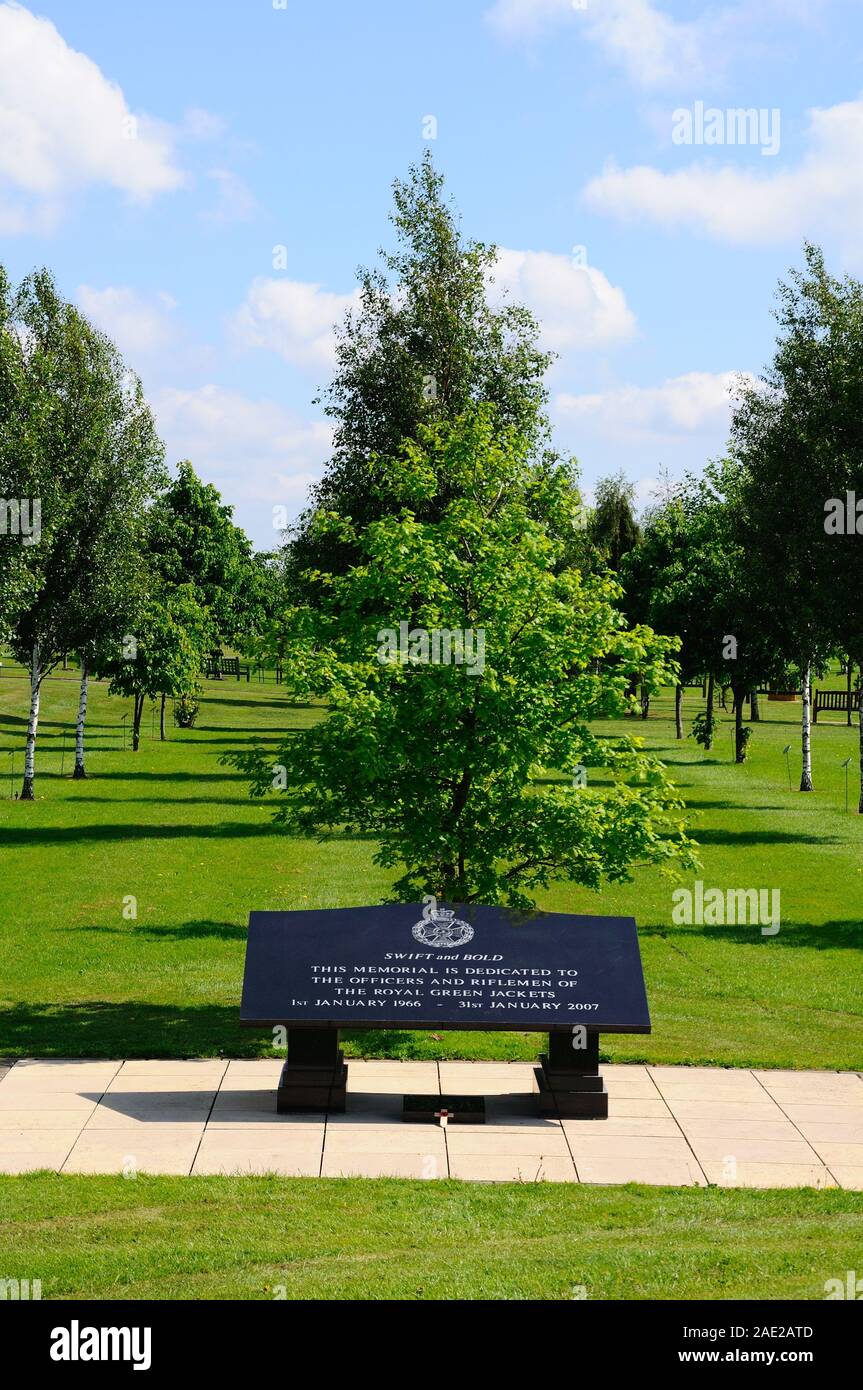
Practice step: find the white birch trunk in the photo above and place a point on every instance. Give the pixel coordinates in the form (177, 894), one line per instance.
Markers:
(32, 726)
(806, 731)
(79, 726)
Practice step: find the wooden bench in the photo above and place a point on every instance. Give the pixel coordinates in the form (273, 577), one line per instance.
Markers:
(219, 666)
(835, 700)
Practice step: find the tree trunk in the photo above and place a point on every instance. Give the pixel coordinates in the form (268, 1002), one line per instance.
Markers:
(79, 726)
(754, 708)
(645, 702)
(630, 696)
(162, 718)
(32, 726)
(136, 722)
(806, 730)
(860, 721)
(739, 750)
(678, 710)
(850, 669)
(710, 697)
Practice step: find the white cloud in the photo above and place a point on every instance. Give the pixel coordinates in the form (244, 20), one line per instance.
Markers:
(576, 305)
(138, 324)
(824, 192)
(650, 45)
(64, 126)
(235, 200)
(199, 124)
(256, 451)
(517, 19)
(696, 403)
(293, 318)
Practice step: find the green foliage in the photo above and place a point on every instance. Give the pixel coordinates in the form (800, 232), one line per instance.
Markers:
(167, 649)
(704, 728)
(446, 766)
(192, 540)
(424, 345)
(76, 434)
(798, 438)
(614, 529)
(187, 707)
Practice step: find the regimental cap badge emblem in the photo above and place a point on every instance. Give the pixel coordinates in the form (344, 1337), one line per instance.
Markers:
(440, 927)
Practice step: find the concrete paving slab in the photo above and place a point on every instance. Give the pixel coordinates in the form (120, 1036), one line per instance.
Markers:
(213, 1161)
(768, 1175)
(818, 1132)
(119, 1108)
(662, 1172)
(772, 1151)
(202, 1069)
(512, 1143)
(18, 1141)
(383, 1164)
(29, 1119)
(840, 1155)
(637, 1107)
(624, 1146)
(668, 1125)
(727, 1110)
(53, 1077)
(727, 1130)
(629, 1125)
(13, 1165)
(511, 1168)
(849, 1177)
(825, 1114)
(411, 1139)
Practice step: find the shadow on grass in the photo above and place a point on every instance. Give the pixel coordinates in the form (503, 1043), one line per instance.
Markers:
(29, 837)
(760, 837)
(134, 775)
(705, 803)
(212, 698)
(828, 936)
(130, 1028)
(177, 801)
(181, 931)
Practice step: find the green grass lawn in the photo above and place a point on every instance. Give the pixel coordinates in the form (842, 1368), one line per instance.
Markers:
(261, 1238)
(175, 829)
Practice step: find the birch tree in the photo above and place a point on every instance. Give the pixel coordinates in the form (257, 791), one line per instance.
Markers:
(78, 446)
(797, 434)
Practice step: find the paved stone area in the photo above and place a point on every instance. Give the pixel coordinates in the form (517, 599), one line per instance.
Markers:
(668, 1125)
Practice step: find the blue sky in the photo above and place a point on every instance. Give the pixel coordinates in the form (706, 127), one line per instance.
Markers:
(155, 155)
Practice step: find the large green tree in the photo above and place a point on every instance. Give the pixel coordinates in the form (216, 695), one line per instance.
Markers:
(798, 437)
(78, 445)
(164, 655)
(613, 525)
(446, 762)
(428, 339)
(193, 540)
